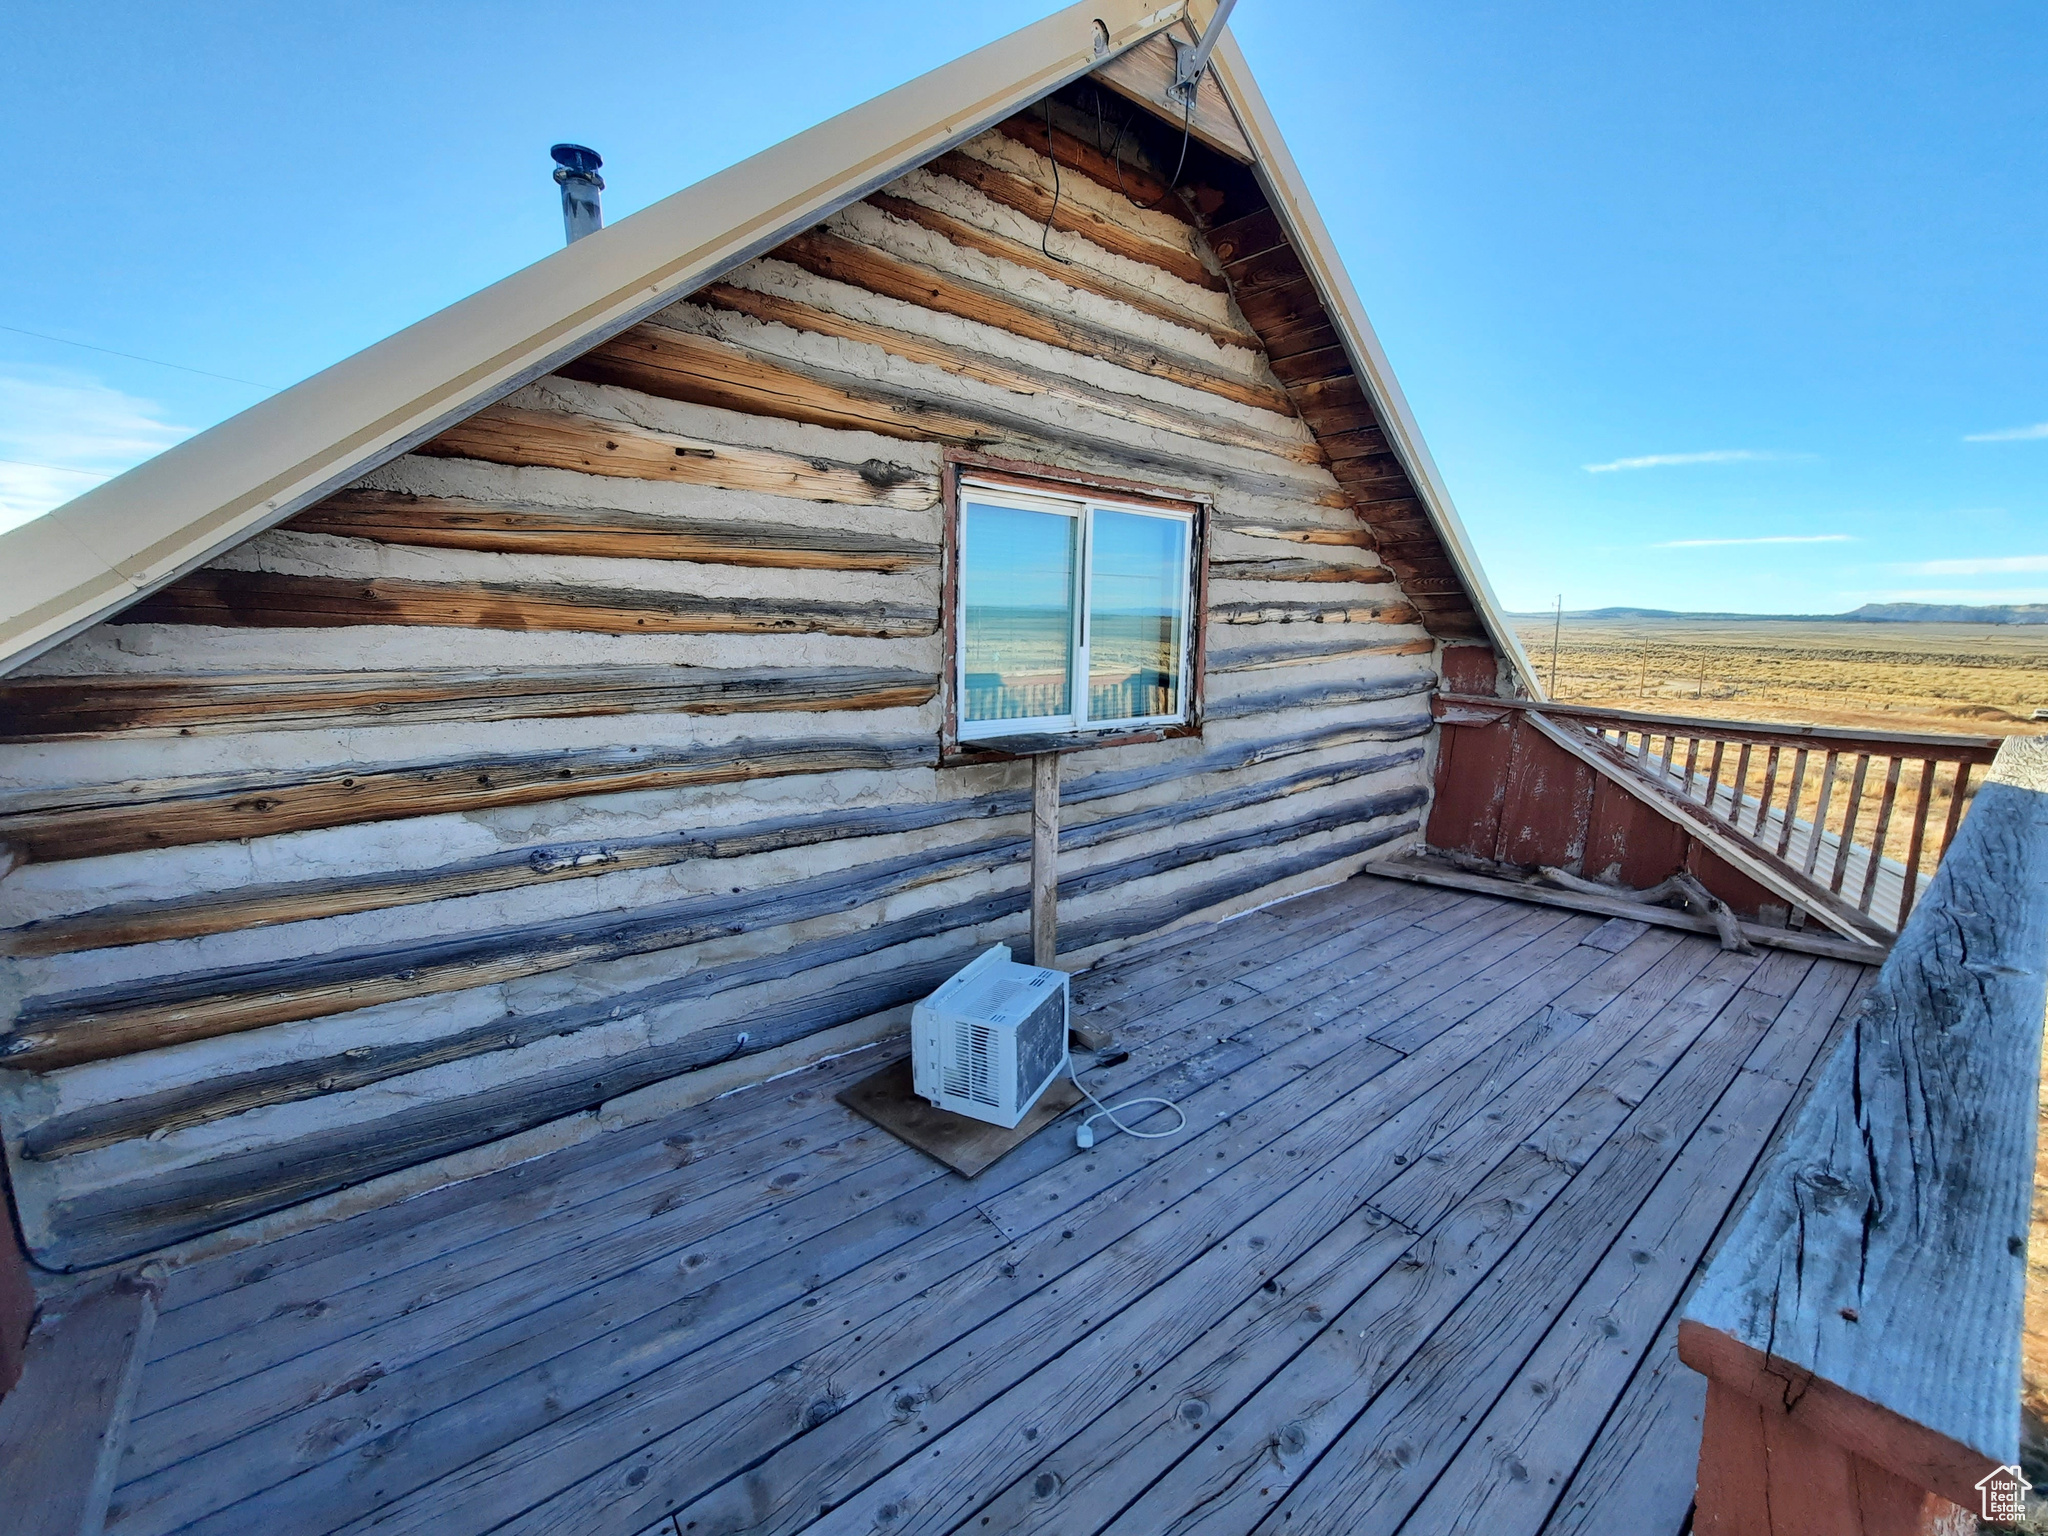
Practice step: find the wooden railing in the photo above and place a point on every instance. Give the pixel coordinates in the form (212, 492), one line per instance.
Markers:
(1860, 1327)
(1852, 823)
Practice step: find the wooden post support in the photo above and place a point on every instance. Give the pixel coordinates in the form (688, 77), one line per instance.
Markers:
(1045, 857)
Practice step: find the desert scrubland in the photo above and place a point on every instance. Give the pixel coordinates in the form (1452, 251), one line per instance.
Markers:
(1969, 679)
(1950, 679)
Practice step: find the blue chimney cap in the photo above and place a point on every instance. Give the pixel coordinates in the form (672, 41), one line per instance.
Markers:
(576, 158)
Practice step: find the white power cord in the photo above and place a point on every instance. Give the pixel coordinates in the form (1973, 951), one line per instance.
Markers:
(1084, 1133)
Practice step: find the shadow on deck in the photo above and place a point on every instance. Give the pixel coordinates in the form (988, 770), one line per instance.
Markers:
(1451, 1162)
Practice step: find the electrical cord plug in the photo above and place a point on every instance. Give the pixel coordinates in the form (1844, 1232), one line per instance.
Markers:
(1084, 1134)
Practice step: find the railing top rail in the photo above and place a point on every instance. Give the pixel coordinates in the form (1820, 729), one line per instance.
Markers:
(1943, 748)
(1874, 1285)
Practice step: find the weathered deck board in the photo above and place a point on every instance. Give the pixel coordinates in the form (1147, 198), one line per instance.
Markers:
(1529, 1444)
(1177, 1315)
(1428, 1133)
(399, 1257)
(1024, 1208)
(1278, 1439)
(420, 1300)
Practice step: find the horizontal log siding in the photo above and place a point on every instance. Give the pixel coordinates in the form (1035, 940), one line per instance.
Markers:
(67, 708)
(446, 522)
(662, 788)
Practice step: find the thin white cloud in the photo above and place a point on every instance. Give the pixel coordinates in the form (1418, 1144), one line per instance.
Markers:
(2010, 434)
(1768, 538)
(1712, 456)
(1990, 565)
(63, 433)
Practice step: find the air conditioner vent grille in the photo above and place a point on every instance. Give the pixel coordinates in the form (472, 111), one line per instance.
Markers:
(970, 1065)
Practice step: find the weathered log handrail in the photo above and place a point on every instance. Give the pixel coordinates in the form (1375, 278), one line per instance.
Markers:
(1824, 832)
(1860, 1327)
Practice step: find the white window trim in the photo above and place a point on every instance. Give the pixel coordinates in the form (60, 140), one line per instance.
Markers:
(1082, 507)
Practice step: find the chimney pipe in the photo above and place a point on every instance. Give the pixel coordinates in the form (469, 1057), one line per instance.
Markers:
(576, 174)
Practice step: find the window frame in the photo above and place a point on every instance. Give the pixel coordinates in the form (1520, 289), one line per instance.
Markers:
(1060, 490)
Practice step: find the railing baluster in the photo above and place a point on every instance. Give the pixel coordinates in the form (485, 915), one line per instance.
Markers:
(1820, 813)
(1763, 805)
(1792, 800)
(1849, 818)
(1955, 810)
(1701, 760)
(1877, 837)
(1919, 838)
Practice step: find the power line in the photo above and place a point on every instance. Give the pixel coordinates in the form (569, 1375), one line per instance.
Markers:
(133, 357)
(62, 469)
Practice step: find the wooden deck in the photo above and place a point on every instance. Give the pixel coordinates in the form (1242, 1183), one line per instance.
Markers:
(1414, 1266)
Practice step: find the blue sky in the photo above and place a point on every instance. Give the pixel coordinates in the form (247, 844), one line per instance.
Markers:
(1661, 282)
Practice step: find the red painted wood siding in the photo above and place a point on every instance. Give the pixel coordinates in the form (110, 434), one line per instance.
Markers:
(1507, 792)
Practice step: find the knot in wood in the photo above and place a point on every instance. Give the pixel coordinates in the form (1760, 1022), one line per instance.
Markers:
(885, 476)
(819, 1410)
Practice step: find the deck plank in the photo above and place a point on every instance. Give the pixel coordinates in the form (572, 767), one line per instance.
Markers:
(1066, 1194)
(1517, 1461)
(1247, 1462)
(223, 1296)
(951, 1475)
(1325, 1150)
(1638, 1476)
(311, 1347)
(285, 1448)
(1079, 1484)
(1339, 1484)
(1430, 1133)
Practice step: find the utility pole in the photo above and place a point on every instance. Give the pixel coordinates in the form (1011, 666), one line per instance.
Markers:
(1556, 628)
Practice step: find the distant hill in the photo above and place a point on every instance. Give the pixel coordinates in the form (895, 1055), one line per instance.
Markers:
(1950, 613)
(1869, 613)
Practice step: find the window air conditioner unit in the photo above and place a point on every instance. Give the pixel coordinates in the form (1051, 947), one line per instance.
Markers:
(991, 1039)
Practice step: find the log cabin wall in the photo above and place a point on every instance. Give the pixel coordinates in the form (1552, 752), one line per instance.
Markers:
(596, 742)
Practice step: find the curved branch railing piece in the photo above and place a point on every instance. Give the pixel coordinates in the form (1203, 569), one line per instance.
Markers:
(1860, 1327)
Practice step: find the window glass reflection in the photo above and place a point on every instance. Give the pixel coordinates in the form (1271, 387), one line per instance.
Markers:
(1018, 584)
(1137, 612)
